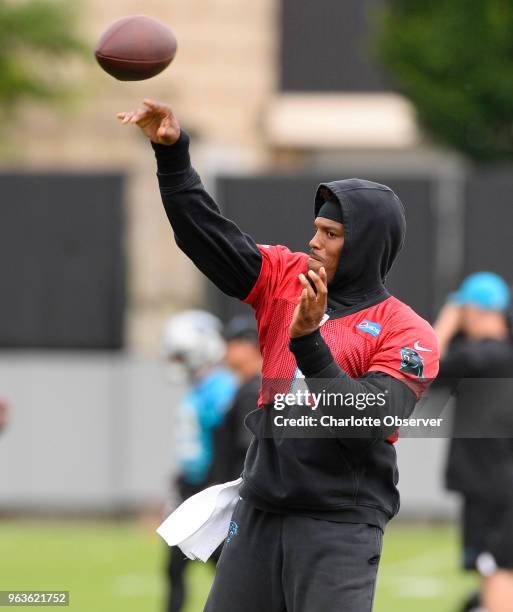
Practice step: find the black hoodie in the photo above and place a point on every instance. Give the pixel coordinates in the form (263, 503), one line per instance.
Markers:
(374, 228)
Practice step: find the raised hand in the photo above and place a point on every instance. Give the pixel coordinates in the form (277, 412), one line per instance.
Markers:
(312, 304)
(156, 120)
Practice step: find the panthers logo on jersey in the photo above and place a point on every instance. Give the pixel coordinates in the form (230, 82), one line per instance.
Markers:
(233, 530)
(411, 362)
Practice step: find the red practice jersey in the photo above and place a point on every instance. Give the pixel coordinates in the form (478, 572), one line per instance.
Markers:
(388, 337)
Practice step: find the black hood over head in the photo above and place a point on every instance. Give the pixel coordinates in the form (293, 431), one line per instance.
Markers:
(374, 231)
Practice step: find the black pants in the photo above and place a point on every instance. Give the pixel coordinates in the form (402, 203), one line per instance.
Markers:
(487, 528)
(177, 562)
(290, 563)
(176, 566)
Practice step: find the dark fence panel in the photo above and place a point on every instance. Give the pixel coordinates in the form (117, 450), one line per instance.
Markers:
(489, 222)
(61, 261)
(328, 45)
(279, 210)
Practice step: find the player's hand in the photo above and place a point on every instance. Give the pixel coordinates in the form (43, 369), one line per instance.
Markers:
(156, 120)
(311, 304)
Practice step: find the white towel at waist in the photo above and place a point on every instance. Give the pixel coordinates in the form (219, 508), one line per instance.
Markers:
(201, 523)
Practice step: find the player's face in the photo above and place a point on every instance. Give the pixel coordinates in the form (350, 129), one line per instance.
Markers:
(240, 355)
(477, 323)
(326, 246)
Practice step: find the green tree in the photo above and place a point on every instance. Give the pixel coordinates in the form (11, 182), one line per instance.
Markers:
(35, 35)
(454, 60)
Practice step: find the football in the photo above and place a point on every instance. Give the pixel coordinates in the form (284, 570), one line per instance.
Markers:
(135, 48)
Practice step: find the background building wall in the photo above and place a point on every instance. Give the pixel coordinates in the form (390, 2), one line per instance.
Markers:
(217, 85)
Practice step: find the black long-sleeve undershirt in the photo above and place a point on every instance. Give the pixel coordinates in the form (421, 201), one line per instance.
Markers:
(227, 256)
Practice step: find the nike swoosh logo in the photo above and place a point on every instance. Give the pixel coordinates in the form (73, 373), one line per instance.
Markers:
(417, 347)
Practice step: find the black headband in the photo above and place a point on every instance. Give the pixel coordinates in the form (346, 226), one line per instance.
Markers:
(331, 210)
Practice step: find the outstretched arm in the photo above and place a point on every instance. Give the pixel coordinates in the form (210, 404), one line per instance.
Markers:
(227, 256)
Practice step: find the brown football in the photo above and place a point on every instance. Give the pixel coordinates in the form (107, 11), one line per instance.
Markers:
(135, 48)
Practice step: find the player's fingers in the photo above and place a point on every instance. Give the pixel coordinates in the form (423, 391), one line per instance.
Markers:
(303, 302)
(124, 117)
(324, 276)
(307, 287)
(315, 279)
(152, 104)
(139, 114)
(319, 285)
(157, 107)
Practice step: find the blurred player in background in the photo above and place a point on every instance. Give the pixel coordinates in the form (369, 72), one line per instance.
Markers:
(193, 340)
(306, 533)
(232, 437)
(474, 334)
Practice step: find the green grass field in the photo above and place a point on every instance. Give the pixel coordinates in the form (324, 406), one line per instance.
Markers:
(116, 567)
